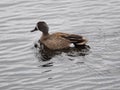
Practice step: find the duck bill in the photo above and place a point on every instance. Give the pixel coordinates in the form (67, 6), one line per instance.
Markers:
(35, 29)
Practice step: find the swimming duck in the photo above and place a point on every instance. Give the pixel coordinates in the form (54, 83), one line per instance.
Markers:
(58, 40)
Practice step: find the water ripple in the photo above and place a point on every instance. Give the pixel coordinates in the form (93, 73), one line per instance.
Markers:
(98, 20)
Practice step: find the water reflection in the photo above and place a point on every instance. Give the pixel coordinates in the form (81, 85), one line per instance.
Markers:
(45, 54)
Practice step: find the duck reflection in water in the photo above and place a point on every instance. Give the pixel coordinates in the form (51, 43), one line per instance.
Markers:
(45, 54)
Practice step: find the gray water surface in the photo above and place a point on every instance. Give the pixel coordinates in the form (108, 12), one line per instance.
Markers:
(98, 20)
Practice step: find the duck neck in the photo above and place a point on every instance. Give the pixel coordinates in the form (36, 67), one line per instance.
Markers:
(45, 33)
(44, 36)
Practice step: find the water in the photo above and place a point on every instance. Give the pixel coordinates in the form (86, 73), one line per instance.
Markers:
(98, 20)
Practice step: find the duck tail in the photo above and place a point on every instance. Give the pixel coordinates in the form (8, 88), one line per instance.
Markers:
(80, 42)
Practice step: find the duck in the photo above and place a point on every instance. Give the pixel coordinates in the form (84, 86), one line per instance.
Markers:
(58, 40)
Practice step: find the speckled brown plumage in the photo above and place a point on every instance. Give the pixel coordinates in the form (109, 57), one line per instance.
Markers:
(58, 40)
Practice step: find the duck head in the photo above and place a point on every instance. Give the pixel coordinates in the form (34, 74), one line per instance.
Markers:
(41, 26)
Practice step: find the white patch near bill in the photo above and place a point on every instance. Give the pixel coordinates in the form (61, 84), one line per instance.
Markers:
(72, 45)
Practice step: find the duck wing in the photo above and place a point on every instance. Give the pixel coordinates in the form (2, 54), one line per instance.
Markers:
(75, 39)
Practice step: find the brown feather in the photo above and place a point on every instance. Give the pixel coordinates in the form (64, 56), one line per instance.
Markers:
(62, 40)
(76, 39)
(57, 40)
